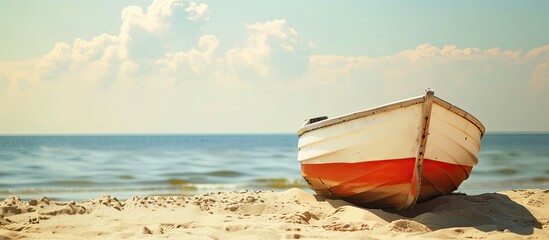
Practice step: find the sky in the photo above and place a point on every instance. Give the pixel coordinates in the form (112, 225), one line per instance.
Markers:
(244, 66)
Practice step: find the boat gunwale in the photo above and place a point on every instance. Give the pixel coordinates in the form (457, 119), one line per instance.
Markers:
(455, 109)
(389, 107)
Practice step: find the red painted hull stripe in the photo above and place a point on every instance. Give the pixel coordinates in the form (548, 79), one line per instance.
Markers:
(369, 181)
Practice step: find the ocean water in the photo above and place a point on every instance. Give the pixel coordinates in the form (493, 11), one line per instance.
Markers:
(510, 161)
(89, 166)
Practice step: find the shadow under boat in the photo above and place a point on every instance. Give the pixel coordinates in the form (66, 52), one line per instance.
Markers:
(485, 212)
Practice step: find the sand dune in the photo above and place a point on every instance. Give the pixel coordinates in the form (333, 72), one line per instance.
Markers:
(292, 214)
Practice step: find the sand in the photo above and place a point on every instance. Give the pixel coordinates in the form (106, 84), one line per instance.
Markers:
(292, 214)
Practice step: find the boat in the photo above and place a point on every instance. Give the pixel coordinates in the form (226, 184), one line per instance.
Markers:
(392, 156)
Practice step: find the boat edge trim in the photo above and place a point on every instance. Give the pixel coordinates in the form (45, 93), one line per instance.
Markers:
(359, 114)
(389, 107)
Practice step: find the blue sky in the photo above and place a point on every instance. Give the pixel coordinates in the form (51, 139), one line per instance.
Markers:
(264, 66)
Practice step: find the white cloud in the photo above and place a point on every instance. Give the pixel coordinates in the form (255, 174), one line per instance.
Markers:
(98, 48)
(538, 51)
(144, 50)
(153, 20)
(540, 76)
(270, 47)
(448, 67)
(497, 53)
(197, 11)
(162, 64)
(423, 54)
(144, 38)
(198, 61)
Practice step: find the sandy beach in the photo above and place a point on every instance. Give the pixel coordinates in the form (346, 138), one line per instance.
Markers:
(291, 214)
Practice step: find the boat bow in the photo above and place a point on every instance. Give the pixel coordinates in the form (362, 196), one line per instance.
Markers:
(391, 156)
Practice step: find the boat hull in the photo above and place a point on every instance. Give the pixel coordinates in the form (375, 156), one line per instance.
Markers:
(391, 156)
(383, 183)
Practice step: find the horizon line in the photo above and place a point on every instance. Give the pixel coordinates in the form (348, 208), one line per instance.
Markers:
(213, 133)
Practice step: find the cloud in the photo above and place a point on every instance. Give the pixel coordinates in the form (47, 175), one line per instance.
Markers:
(538, 51)
(420, 57)
(449, 69)
(198, 62)
(156, 19)
(272, 49)
(495, 52)
(197, 11)
(162, 63)
(144, 38)
(540, 76)
(427, 52)
(165, 42)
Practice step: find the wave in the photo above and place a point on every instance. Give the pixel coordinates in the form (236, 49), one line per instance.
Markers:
(171, 186)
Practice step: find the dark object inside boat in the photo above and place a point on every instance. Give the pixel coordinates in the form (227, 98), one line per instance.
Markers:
(316, 119)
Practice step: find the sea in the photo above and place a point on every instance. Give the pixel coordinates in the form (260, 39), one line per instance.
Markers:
(79, 167)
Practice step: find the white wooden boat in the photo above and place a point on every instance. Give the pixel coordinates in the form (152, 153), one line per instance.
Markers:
(391, 156)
